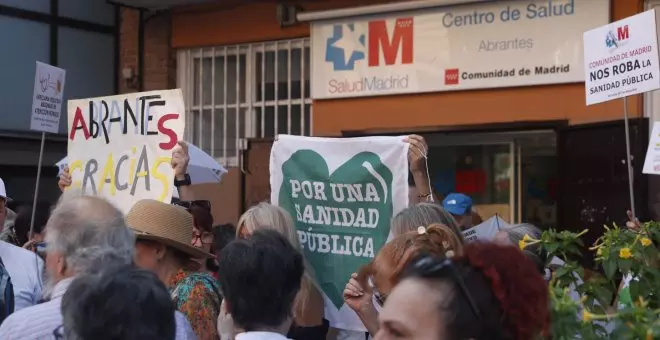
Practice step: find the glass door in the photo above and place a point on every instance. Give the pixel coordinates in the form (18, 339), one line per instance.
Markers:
(510, 174)
(485, 172)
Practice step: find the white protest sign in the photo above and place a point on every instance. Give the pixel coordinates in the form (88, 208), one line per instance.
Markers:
(486, 230)
(47, 98)
(120, 147)
(621, 59)
(342, 194)
(652, 161)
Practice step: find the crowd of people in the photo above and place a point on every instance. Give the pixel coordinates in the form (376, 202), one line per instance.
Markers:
(164, 271)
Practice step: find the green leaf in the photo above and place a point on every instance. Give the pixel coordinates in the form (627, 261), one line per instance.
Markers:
(551, 248)
(609, 267)
(624, 265)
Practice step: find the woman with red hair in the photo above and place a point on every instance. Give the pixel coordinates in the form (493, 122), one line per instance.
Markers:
(367, 290)
(489, 292)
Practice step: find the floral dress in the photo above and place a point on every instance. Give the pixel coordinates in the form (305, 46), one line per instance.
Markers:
(198, 297)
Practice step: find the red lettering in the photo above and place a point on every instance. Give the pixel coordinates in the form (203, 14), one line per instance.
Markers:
(402, 39)
(78, 123)
(167, 131)
(622, 33)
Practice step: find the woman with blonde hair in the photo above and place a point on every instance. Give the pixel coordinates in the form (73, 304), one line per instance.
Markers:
(309, 322)
(367, 291)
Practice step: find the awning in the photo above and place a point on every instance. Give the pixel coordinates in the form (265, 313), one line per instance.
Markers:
(380, 9)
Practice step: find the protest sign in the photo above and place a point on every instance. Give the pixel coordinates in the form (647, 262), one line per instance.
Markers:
(621, 58)
(652, 161)
(120, 147)
(47, 98)
(342, 194)
(486, 230)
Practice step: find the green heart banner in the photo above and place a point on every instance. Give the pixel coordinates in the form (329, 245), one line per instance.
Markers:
(342, 194)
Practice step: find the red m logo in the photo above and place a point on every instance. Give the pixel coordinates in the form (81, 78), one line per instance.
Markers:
(402, 39)
(622, 33)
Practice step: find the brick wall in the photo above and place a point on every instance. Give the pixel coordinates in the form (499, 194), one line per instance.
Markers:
(159, 59)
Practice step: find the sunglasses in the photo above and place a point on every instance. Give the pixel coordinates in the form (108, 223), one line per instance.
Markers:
(204, 204)
(378, 297)
(430, 267)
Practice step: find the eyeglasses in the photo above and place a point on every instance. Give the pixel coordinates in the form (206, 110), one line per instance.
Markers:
(203, 237)
(58, 332)
(204, 204)
(428, 266)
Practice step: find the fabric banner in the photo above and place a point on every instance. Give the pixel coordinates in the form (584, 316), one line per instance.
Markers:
(120, 147)
(342, 194)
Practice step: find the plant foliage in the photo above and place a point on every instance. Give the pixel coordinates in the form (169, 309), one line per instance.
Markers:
(607, 307)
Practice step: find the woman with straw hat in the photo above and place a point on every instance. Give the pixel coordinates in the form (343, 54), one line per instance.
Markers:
(163, 233)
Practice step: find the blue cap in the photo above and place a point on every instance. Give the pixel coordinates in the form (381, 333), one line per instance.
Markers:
(457, 204)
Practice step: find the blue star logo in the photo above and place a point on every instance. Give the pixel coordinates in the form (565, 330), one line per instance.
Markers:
(340, 49)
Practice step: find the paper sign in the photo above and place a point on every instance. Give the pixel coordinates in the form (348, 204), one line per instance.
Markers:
(486, 230)
(120, 147)
(652, 161)
(342, 194)
(47, 99)
(621, 59)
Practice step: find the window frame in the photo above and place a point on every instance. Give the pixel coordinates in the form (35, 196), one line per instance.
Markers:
(186, 60)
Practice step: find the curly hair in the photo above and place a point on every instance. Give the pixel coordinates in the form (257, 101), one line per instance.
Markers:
(509, 294)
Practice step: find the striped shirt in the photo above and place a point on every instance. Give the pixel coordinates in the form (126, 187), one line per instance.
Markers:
(40, 322)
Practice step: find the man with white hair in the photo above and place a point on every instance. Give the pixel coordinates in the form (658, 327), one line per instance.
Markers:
(84, 235)
(24, 267)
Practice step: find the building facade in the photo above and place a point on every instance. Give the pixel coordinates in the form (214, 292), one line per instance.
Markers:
(530, 152)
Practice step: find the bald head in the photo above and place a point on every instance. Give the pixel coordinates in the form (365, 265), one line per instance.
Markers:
(89, 233)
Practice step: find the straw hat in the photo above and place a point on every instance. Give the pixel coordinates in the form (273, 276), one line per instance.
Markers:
(164, 223)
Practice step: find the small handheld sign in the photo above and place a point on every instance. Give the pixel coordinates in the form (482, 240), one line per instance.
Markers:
(46, 112)
(620, 60)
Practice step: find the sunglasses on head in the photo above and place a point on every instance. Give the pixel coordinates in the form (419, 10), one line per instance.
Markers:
(204, 204)
(431, 267)
(378, 297)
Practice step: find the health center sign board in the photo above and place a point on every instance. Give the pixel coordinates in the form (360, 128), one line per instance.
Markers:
(488, 45)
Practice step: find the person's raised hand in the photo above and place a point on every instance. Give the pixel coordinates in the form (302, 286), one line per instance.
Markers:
(417, 152)
(357, 297)
(65, 179)
(633, 222)
(180, 159)
(30, 245)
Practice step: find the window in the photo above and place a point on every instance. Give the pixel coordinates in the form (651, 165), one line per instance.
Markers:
(245, 91)
(77, 35)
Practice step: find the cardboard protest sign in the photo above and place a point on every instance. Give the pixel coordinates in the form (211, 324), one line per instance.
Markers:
(120, 147)
(621, 58)
(47, 98)
(342, 194)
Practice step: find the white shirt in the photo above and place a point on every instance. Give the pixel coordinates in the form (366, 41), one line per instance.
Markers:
(260, 336)
(40, 322)
(25, 269)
